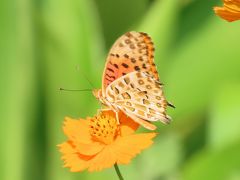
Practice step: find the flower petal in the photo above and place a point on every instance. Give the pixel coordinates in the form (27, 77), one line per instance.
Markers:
(66, 148)
(125, 148)
(105, 159)
(128, 126)
(233, 5)
(227, 15)
(230, 11)
(121, 151)
(77, 130)
(89, 149)
(73, 160)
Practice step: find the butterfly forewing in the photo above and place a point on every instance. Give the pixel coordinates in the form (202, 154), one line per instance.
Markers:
(133, 51)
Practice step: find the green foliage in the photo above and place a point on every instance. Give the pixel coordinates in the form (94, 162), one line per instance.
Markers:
(50, 44)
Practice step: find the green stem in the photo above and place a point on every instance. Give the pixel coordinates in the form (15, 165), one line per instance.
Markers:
(118, 172)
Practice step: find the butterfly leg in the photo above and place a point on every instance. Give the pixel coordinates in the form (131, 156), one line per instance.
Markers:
(117, 117)
(101, 110)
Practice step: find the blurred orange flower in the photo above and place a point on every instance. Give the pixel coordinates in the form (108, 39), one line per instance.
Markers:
(230, 11)
(99, 142)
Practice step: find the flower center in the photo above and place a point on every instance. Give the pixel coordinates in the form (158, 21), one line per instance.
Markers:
(103, 128)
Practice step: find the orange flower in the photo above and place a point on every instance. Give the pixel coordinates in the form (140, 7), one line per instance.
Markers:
(230, 11)
(99, 142)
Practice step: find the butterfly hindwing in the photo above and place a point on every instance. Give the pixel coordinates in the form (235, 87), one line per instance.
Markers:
(140, 95)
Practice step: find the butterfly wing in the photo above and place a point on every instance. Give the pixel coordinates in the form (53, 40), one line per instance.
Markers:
(140, 96)
(133, 51)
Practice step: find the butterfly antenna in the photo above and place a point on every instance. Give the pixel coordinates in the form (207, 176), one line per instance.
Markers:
(89, 82)
(63, 89)
(84, 75)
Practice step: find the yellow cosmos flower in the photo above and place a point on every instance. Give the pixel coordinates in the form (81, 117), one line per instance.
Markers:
(99, 142)
(230, 11)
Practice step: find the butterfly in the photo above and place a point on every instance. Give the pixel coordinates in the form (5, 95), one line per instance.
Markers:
(130, 81)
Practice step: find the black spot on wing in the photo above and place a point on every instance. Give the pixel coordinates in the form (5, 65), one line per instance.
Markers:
(109, 69)
(125, 65)
(136, 68)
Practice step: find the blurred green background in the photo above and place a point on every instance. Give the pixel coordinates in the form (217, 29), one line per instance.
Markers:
(56, 43)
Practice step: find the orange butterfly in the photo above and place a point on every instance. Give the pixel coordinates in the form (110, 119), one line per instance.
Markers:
(130, 81)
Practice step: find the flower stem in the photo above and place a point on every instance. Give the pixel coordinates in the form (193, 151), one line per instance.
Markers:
(118, 172)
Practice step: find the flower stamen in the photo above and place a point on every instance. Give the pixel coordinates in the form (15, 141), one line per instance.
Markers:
(104, 128)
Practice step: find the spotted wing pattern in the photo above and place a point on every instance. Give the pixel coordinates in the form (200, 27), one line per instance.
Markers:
(133, 51)
(140, 96)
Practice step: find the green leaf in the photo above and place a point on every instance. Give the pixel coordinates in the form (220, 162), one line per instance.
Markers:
(160, 160)
(224, 126)
(220, 165)
(19, 90)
